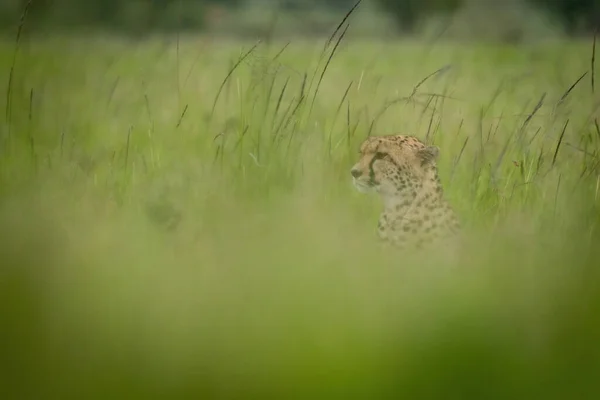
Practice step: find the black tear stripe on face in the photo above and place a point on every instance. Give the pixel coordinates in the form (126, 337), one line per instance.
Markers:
(378, 156)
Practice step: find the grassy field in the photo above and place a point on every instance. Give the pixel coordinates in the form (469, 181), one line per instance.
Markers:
(177, 219)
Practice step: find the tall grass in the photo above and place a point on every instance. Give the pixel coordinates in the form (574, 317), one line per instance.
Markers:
(177, 219)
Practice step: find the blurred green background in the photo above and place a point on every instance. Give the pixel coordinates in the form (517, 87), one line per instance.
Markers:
(177, 218)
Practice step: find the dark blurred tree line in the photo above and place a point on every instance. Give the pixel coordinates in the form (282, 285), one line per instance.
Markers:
(577, 16)
(126, 14)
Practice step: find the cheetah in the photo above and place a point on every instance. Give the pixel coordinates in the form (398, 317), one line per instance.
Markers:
(403, 170)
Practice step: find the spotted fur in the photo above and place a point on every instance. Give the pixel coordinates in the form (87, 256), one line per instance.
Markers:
(403, 170)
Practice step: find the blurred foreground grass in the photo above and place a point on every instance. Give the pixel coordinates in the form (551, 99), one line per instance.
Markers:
(171, 229)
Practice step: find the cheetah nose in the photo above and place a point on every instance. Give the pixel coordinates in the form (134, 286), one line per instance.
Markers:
(355, 172)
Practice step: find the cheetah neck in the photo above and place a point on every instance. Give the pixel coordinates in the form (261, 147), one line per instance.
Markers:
(407, 215)
(429, 193)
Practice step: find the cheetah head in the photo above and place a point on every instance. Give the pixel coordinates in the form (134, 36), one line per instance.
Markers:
(393, 165)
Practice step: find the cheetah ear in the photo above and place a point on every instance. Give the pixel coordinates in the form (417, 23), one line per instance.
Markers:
(428, 155)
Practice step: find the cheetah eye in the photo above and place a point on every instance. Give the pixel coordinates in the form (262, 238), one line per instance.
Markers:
(379, 155)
